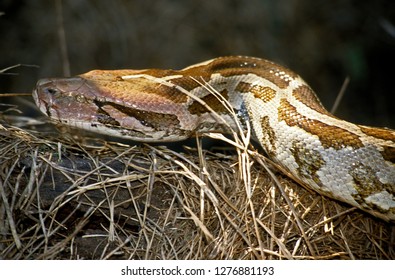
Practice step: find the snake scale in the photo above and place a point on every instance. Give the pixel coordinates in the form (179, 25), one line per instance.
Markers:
(344, 161)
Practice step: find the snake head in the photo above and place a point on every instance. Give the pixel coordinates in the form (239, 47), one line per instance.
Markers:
(102, 102)
(64, 99)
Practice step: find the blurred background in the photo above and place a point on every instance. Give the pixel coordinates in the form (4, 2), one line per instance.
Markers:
(323, 41)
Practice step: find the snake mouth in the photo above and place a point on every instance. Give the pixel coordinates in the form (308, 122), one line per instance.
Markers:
(41, 96)
(44, 95)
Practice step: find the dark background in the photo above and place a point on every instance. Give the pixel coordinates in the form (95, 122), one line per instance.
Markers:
(324, 41)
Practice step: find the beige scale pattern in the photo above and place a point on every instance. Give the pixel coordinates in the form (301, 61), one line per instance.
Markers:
(344, 161)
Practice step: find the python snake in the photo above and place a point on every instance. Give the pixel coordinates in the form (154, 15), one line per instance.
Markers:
(344, 161)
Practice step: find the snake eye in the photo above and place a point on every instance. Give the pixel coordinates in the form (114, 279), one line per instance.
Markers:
(52, 91)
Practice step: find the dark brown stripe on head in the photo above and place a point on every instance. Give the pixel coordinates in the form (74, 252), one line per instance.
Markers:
(134, 89)
(155, 120)
(263, 93)
(198, 109)
(330, 136)
(306, 95)
(104, 118)
(170, 93)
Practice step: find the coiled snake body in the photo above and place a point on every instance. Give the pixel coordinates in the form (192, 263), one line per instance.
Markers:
(348, 162)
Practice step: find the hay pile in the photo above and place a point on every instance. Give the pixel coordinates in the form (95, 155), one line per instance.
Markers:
(63, 198)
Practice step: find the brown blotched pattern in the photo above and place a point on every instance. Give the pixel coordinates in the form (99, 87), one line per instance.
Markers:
(329, 135)
(269, 135)
(307, 96)
(309, 161)
(263, 93)
(366, 182)
(380, 133)
(388, 151)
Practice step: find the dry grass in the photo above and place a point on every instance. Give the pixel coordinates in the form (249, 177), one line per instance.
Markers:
(92, 199)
